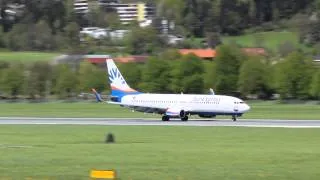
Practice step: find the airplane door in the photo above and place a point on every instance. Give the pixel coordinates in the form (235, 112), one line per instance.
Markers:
(235, 108)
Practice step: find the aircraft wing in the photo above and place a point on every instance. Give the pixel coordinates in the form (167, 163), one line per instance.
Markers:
(144, 109)
(112, 102)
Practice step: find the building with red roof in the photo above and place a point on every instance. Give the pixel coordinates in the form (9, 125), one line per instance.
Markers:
(201, 53)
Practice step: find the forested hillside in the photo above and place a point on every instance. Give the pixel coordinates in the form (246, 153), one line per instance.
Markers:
(226, 25)
(57, 25)
(232, 16)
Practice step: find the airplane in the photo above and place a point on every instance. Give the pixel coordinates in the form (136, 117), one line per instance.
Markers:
(171, 105)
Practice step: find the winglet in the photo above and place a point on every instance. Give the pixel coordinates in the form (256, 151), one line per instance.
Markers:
(98, 96)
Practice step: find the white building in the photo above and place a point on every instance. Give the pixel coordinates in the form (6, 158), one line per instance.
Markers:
(129, 12)
(100, 33)
(81, 6)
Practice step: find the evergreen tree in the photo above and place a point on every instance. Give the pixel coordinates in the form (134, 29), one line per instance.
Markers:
(188, 68)
(156, 76)
(315, 85)
(228, 61)
(91, 77)
(66, 82)
(253, 77)
(132, 73)
(294, 76)
(13, 79)
(38, 79)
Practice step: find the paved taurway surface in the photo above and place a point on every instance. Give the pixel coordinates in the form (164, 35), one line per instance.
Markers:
(157, 122)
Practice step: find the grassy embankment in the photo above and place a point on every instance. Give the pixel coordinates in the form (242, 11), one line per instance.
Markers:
(26, 57)
(69, 152)
(271, 40)
(259, 110)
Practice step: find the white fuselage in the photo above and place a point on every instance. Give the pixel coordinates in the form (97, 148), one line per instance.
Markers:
(216, 104)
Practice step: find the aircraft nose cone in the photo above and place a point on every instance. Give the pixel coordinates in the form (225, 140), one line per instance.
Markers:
(246, 107)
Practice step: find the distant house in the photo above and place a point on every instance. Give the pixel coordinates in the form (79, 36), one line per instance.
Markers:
(99, 33)
(96, 59)
(132, 59)
(173, 39)
(207, 54)
(210, 54)
(118, 34)
(101, 59)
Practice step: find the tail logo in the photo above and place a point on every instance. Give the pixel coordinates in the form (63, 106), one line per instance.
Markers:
(115, 77)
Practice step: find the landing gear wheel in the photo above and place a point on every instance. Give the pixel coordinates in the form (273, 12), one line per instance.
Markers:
(165, 118)
(234, 118)
(185, 118)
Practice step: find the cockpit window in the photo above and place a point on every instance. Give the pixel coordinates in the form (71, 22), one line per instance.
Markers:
(241, 102)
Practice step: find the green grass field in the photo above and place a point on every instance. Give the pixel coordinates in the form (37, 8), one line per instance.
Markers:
(259, 110)
(177, 153)
(27, 56)
(271, 40)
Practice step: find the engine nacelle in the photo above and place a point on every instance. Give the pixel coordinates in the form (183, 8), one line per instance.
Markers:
(176, 112)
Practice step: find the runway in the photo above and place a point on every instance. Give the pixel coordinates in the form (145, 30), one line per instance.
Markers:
(157, 122)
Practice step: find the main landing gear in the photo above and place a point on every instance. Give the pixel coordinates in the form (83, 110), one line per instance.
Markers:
(167, 118)
(185, 118)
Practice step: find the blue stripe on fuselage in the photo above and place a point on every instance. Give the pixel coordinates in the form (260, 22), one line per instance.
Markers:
(118, 94)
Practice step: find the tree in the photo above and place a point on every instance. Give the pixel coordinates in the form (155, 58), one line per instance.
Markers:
(253, 77)
(17, 38)
(53, 12)
(91, 77)
(13, 80)
(3, 66)
(2, 38)
(286, 48)
(315, 85)
(170, 55)
(156, 76)
(38, 79)
(66, 82)
(193, 84)
(132, 73)
(294, 76)
(209, 76)
(113, 20)
(72, 35)
(187, 70)
(228, 61)
(42, 38)
(97, 18)
(144, 41)
(213, 39)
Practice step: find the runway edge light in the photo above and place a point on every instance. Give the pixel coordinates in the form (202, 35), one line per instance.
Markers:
(103, 174)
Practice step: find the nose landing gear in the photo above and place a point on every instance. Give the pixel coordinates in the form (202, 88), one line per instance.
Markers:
(165, 118)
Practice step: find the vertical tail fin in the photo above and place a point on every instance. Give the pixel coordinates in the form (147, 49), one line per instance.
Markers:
(119, 86)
